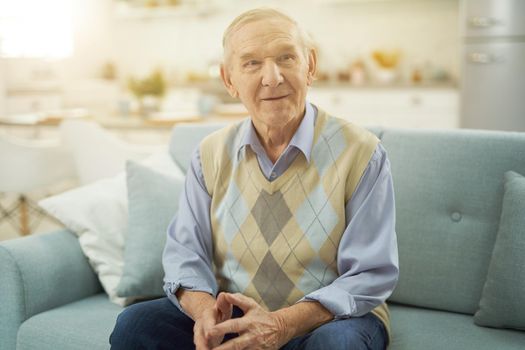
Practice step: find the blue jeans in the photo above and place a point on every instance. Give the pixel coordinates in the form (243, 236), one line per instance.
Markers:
(158, 324)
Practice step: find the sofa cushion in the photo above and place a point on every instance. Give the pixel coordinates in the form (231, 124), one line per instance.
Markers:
(98, 214)
(417, 328)
(503, 301)
(186, 137)
(448, 188)
(31, 268)
(153, 199)
(85, 324)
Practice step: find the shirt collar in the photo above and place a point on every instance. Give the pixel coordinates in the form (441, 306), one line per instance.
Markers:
(302, 139)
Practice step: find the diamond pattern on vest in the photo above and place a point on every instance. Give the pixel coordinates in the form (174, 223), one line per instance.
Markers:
(271, 214)
(240, 278)
(329, 147)
(271, 283)
(236, 209)
(316, 275)
(316, 217)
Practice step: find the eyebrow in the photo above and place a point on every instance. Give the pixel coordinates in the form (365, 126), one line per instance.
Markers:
(246, 56)
(284, 47)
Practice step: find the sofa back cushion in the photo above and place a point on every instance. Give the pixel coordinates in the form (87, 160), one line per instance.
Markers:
(186, 137)
(449, 189)
(502, 304)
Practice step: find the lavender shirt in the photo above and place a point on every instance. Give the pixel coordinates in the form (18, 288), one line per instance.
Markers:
(367, 258)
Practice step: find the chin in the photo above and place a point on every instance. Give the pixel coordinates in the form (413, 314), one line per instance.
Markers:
(283, 111)
(277, 116)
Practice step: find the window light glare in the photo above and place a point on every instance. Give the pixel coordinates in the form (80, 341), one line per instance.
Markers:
(33, 28)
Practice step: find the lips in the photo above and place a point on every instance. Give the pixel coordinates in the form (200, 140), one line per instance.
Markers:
(274, 98)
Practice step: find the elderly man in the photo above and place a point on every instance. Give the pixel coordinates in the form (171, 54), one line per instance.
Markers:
(285, 232)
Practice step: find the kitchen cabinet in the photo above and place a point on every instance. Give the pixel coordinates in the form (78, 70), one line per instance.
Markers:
(404, 107)
(28, 102)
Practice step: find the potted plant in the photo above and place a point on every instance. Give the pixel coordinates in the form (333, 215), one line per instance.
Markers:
(148, 91)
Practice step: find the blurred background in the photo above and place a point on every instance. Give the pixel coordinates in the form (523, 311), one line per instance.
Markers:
(131, 69)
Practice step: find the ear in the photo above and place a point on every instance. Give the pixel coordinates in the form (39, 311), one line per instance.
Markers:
(312, 66)
(226, 80)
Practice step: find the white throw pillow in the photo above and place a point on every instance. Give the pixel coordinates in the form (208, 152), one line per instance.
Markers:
(98, 153)
(98, 214)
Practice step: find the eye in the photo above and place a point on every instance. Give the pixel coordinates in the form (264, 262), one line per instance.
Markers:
(250, 63)
(286, 58)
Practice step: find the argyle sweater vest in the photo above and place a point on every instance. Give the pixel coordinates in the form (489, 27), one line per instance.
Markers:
(278, 241)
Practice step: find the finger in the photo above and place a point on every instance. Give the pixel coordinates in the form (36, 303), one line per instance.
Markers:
(245, 341)
(207, 326)
(236, 325)
(199, 340)
(243, 302)
(224, 307)
(200, 344)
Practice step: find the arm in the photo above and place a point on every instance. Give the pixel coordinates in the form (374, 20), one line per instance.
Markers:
(189, 280)
(201, 307)
(367, 255)
(31, 268)
(188, 251)
(301, 318)
(195, 303)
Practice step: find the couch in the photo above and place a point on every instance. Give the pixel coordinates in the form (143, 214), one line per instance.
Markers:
(449, 189)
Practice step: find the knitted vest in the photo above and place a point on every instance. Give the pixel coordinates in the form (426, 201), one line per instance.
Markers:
(278, 241)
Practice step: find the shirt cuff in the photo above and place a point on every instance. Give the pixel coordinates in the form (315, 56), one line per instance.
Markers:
(193, 284)
(336, 300)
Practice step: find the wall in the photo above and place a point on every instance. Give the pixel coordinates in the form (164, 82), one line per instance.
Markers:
(2, 88)
(423, 30)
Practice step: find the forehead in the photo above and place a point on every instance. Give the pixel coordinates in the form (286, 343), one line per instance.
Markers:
(263, 35)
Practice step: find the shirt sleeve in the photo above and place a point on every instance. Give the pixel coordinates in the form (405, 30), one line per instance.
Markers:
(367, 255)
(187, 257)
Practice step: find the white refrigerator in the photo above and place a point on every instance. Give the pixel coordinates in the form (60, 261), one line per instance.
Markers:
(493, 64)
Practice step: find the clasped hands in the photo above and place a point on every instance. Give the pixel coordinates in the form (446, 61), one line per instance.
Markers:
(257, 329)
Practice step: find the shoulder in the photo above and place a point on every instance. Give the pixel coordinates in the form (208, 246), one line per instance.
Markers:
(218, 151)
(350, 146)
(225, 135)
(337, 130)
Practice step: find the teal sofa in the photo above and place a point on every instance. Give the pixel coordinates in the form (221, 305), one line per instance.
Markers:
(449, 189)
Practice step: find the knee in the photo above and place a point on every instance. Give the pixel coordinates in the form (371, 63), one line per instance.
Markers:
(342, 335)
(349, 339)
(126, 326)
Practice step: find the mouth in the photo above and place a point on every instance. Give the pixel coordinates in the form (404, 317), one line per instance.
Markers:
(274, 98)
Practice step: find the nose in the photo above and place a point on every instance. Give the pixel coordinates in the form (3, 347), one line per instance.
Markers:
(271, 75)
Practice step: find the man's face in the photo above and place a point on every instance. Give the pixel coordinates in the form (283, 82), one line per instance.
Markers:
(267, 69)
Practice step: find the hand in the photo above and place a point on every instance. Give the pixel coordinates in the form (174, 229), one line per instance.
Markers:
(204, 324)
(258, 328)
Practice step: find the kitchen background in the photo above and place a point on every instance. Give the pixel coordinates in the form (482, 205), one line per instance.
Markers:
(137, 67)
(111, 39)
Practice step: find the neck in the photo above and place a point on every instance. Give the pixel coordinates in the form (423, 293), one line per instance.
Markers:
(275, 139)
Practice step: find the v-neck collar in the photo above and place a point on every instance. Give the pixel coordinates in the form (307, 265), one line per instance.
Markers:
(297, 164)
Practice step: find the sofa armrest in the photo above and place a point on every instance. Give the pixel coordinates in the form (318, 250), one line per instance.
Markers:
(39, 273)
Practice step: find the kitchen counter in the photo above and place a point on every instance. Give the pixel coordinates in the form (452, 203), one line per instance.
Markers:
(117, 122)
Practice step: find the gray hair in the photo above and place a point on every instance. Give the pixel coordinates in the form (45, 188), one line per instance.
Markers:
(266, 13)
